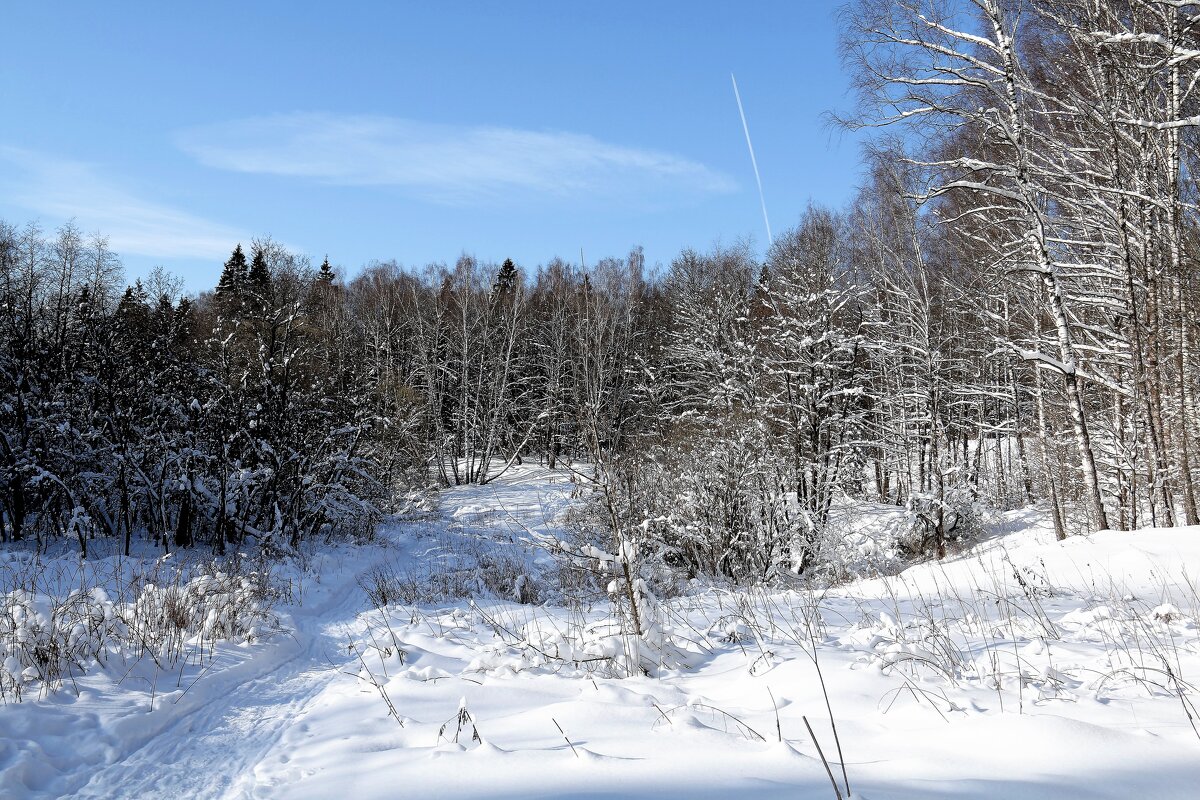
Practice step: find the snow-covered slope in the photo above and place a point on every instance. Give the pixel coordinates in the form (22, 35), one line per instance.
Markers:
(1020, 668)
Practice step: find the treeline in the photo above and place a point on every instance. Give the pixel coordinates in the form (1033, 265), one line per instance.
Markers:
(720, 405)
(286, 403)
(144, 413)
(1004, 314)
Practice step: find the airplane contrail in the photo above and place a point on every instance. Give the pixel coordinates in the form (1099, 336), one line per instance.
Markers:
(753, 161)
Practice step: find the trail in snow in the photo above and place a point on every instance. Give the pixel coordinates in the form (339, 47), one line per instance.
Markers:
(211, 751)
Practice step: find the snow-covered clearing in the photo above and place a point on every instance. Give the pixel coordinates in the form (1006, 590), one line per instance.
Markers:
(1020, 668)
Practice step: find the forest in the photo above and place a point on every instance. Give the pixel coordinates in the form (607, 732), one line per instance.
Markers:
(1004, 315)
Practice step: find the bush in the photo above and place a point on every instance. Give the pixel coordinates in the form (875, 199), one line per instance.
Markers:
(162, 613)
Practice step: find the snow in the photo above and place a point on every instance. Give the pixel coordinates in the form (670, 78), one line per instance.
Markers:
(1020, 667)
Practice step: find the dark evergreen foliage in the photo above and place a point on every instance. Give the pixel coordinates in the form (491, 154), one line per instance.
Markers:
(234, 276)
(126, 415)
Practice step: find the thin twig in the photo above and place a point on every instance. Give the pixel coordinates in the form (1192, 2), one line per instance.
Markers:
(564, 735)
(825, 761)
(778, 727)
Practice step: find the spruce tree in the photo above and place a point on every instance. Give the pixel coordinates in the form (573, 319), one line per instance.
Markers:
(506, 279)
(326, 275)
(233, 276)
(132, 316)
(260, 275)
(231, 288)
(259, 281)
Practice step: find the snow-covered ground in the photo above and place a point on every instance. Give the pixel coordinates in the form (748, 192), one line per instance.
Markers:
(1021, 668)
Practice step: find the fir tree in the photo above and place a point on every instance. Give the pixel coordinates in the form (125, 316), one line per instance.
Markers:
(132, 316)
(326, 276)
(258, 282)
(259, 279)
(234, 275)
(506, 279)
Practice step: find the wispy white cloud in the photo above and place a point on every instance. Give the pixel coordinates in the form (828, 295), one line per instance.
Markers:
(447, 163)
(62, 189)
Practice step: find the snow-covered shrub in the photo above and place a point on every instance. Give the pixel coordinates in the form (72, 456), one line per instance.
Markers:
(692, 507)
(44, 639)
(213, 605)
(915, 647)
(636, 637)
(582, 642)
(936, 523)
(506, 576)
(163, 613)
(860, 540)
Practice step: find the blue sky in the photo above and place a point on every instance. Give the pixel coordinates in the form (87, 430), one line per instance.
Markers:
(417, 131)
